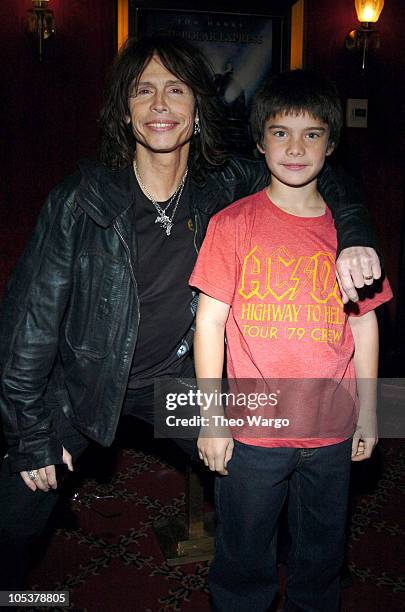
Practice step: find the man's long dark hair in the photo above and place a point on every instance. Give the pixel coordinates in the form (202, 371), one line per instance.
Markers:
(189, 65)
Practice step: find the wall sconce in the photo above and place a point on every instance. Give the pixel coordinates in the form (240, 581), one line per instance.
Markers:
(41, 23)
(368, 12)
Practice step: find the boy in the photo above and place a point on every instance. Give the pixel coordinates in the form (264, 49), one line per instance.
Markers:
(266, 275)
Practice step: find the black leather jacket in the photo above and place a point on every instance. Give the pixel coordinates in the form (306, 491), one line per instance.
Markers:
(69, 320)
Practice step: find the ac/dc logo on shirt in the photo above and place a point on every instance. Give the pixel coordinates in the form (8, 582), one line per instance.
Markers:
(287, 277)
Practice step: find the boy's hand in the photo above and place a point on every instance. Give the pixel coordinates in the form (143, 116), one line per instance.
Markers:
(356, 267)
(365, 437)
(216, 452)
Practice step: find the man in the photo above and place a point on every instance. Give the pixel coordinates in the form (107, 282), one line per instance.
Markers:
(99, 306)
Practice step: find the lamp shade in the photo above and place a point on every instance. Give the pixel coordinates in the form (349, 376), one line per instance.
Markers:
(368, 11)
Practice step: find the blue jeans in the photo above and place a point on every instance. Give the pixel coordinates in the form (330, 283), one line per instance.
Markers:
(249, 500)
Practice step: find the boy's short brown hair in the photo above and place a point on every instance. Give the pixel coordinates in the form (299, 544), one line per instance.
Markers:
(296, 92)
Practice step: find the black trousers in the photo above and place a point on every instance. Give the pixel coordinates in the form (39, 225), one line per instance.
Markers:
(24, 513)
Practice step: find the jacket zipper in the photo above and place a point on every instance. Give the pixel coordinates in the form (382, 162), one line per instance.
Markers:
(128, 252)
(195, 232)
(131, 270)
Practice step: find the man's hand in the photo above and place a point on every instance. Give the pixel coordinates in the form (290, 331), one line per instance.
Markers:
(46, 476)
(216, 452)
(365, 437)
(356, 267)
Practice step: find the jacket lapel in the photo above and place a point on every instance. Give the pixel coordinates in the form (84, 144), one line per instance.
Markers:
(104, 194)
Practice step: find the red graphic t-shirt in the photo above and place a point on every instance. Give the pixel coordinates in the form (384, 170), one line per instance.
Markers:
(287, 330)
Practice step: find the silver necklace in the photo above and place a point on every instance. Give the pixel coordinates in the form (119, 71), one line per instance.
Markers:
(162, 218)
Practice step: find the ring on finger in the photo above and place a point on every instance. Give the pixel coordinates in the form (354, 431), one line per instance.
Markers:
(368, 277)
(32, 474)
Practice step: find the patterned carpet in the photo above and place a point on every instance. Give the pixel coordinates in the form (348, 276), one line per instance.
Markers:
(102, 547)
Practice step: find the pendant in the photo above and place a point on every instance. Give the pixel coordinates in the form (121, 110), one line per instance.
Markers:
(165, 222)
